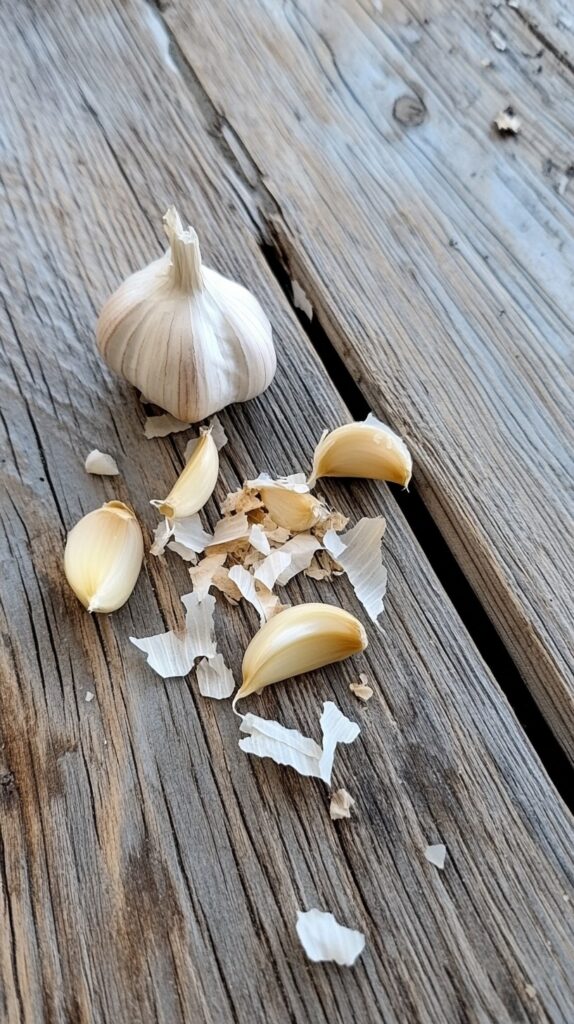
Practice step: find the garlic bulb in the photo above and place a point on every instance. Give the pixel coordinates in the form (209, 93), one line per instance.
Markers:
(191, 340)
(103, 557)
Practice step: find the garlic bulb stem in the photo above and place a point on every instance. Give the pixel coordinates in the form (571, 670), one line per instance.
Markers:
(185, 269)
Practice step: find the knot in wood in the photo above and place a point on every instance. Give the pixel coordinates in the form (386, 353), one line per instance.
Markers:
(409, 110)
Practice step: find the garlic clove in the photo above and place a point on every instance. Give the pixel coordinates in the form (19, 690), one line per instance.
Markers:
(302, 638)
(190, 339)
(103, 557)
(294, 511)
(368, 450)
(195, 483)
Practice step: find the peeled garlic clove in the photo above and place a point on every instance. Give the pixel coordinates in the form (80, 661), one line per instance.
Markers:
(103, 557)
(293, 511)
(302, 638)
(369, 450)
(196, 482)
(191, 340)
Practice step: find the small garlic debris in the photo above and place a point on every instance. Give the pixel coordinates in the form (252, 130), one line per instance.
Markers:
(89, 696)
(161, 426)
(368, 450)
(218, 433)
(436, 855)
(203, 575)
(362, 690)
(302, 638)
(196, 482)
(100, 464)
(289, 747)
(188, 534)
(173, 654)
(324, 939)
(498, 40)
(300, 550)
(301, 300)
(191, 340)
(259, 540)
(103, 557)
(359, 553)
(341, 804)
(265, 603)
(507, 123)
(214, 678)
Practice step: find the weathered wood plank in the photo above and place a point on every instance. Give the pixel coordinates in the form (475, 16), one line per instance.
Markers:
(149, 870)
(438, 257)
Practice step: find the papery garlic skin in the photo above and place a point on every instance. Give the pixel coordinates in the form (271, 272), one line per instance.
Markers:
(195, 484)
(103, 557)
(300, 639)
(368, 450)
(191, 340)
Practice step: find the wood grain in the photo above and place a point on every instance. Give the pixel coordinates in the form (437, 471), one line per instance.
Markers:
(150, 871)
(438, 256)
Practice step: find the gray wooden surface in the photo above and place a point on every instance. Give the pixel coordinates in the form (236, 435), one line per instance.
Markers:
(150, 871)
(439, 257)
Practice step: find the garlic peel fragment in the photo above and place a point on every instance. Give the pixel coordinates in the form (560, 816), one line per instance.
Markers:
(266, 738)
(324, 939)
(190, 339)
(103, 557)
(341, 804)
(161, 426)
(359, 553)
(436, 855)
(368, 450)
(172, 654)
(196, 482)
(302, 638)
(214, 678)
(101, 464)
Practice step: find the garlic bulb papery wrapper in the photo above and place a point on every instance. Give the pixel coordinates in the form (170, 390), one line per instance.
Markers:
(191, 340)
(196, 482)
(103, 557)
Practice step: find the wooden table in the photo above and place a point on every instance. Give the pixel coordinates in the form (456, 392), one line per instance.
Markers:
(151, 871)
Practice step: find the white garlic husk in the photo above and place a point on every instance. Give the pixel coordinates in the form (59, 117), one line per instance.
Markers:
(191, 340)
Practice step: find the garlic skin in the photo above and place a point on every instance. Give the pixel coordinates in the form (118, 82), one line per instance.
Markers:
(196, 482)
(103, 557)
(191, 340)
(368, 450)
(300, 639)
